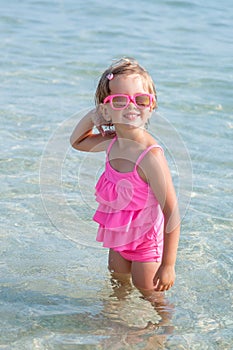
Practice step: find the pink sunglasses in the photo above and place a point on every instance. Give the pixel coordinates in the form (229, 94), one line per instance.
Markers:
(121, 101)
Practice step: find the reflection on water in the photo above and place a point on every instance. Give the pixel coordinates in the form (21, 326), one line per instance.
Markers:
(136, 321)
(118, 318)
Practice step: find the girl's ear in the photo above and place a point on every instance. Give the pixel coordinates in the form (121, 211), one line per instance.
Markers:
(153, 106)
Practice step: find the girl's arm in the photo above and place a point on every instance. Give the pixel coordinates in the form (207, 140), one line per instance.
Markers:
(160, 180)
(83, 138)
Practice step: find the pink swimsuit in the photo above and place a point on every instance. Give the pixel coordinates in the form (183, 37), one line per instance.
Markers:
(130, 218)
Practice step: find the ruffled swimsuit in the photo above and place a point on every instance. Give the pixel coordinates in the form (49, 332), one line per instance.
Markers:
(129, 215)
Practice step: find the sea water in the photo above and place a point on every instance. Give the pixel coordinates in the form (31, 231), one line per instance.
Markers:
(56, 292)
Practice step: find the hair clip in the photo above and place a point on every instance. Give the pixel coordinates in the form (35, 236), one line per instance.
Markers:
(110, 76)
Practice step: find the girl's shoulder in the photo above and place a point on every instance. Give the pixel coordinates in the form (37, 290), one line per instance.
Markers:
(153, 152)
(148, 149)
(152, 145)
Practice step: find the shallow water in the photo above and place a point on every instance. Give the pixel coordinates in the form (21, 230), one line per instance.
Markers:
(56, 292)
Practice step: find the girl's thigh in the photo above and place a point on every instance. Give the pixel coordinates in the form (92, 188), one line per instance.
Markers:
(117, 264)
(143, 274)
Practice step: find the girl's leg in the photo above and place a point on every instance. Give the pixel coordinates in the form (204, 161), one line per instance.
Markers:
(142, 276)
(117, 264)
(120, 269)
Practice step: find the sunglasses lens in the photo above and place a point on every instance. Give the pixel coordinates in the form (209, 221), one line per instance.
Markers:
(119, 102)
(142, 101)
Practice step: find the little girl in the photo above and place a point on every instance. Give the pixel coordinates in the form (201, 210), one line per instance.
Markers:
(137, 211)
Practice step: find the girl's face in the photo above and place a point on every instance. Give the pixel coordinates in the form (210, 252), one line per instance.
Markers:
(132, 116)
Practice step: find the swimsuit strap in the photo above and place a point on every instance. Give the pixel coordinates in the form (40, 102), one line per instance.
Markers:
(142, 155)
(110, 145)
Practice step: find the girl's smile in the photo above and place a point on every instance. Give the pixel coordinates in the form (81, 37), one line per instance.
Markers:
(131, 116)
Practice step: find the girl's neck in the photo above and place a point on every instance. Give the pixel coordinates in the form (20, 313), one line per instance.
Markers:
(137, 135)
(129, 133)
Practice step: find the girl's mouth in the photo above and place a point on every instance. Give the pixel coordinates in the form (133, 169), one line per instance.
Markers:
(131, 116)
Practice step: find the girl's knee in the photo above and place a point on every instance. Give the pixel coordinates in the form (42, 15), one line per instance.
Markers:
(120, 278)
(142, 285)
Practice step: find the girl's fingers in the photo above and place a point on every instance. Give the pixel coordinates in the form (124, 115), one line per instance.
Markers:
(101, 130)
(162, 287)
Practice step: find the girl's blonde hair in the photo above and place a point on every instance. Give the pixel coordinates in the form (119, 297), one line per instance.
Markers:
(123, 66)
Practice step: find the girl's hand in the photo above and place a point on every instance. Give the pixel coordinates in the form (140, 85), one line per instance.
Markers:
(99, 121)
(164, 278)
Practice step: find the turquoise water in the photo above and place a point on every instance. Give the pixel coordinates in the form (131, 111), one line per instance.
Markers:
(56, 292)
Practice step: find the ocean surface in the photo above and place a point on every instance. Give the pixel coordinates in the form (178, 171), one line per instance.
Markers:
(55, 289)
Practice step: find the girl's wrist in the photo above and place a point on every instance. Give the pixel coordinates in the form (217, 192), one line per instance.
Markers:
(169, 264)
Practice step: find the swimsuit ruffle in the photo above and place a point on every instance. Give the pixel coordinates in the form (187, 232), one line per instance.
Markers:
(126, 216)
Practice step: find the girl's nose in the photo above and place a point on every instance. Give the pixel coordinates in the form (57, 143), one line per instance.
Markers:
(131, 102)
(131, 105)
